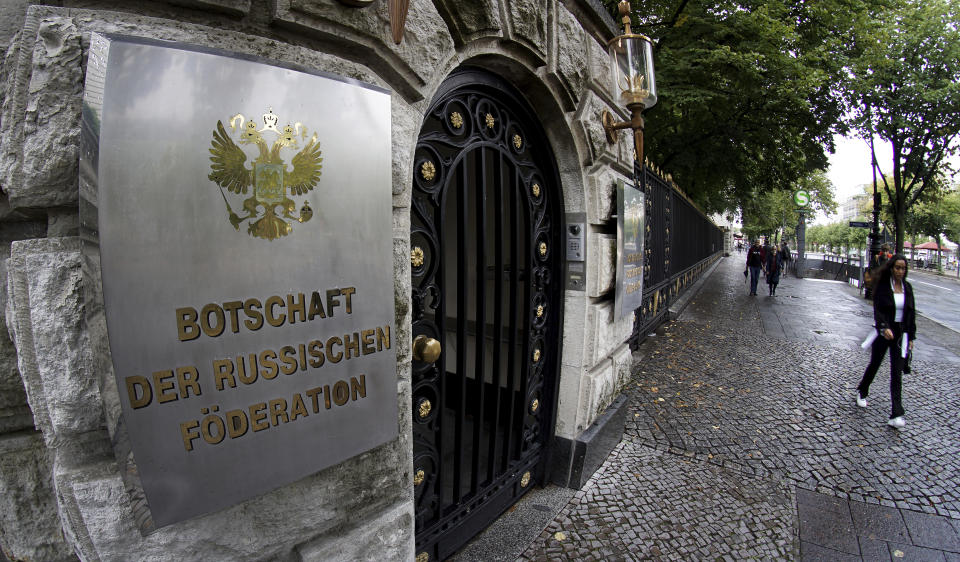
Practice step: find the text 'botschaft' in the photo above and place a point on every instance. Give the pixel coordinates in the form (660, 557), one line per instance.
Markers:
(214, 319)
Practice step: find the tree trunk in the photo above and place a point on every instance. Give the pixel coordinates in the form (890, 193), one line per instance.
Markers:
(939, 253)
(899, 198)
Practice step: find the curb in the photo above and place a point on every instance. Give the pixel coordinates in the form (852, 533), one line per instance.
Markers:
(676, 309)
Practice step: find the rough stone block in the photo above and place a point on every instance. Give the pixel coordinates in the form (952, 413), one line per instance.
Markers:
(406, 128)
(387, 537)
(528, 22)
(601, 334)
(600, 68)
(568, 401)
(233, 7)
(98, 513)
(11, 18)
(14, 412)
(598, 391)
(571, 53)
(29, 524)
(589, 117)
(622, 366)
(45, 316)
(63, 222)
(468, 21)
(574, 326)
(602, 196)
(426, 45)
(51, 123)
(601, 263)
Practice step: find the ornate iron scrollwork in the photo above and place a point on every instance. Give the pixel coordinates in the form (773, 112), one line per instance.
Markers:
(472, 131)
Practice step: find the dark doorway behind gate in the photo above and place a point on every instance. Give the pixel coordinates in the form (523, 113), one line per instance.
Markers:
(486, 261)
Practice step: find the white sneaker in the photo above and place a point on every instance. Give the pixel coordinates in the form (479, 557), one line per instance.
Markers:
(897, 422)
(861, 401)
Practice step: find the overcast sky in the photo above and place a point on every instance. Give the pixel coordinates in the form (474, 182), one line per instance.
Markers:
(850, 167)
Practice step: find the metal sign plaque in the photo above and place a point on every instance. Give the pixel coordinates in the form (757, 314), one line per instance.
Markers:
(245, 246)
(631, 230)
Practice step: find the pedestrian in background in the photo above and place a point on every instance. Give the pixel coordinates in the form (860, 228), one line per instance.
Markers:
(755, 259)
(894, 315)
(773, 266)
(785, 256)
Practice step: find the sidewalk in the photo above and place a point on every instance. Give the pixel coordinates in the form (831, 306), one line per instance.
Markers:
(744, 440)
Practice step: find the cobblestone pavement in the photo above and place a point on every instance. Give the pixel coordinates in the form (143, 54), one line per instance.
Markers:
(744, 440)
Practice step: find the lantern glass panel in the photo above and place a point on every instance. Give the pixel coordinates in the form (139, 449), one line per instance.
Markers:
(633, 79)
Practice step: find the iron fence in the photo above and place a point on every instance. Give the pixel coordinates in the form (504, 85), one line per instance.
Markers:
(680, 243)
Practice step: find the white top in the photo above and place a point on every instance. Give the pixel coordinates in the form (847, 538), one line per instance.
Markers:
(898, 300)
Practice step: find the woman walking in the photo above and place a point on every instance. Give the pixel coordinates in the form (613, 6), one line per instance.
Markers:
(773, 267)
(894, 315)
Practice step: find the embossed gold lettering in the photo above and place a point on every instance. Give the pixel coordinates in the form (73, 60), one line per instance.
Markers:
(272, 319)
(187, 328)
(216, 328)
(258, 416)
(351, 345)
(254, 321)
(296, 306)
(223, 372)
(162, 384)
(269, 364)
(188, 379)
(289, 360)
(331, 357)
(138, 391)
(366, 342)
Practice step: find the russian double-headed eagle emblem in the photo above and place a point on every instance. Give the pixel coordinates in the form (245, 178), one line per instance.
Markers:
(269, 176)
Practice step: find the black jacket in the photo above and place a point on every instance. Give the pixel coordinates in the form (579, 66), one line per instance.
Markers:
(885, 310)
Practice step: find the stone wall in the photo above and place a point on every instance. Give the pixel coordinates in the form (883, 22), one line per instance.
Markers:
(61, 491)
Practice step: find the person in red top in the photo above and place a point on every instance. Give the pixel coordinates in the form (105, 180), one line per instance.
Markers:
(755, 260)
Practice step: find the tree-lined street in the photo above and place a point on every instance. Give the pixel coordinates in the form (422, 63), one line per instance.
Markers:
(743, 441)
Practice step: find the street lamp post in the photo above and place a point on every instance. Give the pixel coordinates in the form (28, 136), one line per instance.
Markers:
(634, 85)
(875, 225)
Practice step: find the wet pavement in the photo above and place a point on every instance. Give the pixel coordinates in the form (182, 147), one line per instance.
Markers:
(744, 440)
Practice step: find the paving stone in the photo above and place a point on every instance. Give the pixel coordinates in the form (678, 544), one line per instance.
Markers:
(931, 531)
(899, 551)
(810, 552)
(884, 523)
(744, 405)
(874, 550)
(830, 528)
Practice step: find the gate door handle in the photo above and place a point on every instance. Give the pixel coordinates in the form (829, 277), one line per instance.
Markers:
(426, 349)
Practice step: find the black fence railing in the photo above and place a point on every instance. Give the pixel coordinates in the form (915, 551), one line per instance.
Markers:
(680, 243)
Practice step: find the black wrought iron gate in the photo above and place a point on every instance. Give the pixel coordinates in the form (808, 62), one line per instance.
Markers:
(486, 261)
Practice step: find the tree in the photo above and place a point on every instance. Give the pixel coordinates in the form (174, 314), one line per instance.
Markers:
(951, 208)
(934, 215)
(746, 97)
(774, 212)
(904, 87)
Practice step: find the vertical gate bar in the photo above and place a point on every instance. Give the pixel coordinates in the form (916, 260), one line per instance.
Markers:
(461, 328)
(526, 310)
(441, 322)
(480, 316)
(515, 236)
(497, 312)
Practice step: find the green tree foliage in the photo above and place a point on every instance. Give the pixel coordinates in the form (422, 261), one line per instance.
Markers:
(951, 208)
(837, 237)
(904, 87)
(935, 215)
(747, 101)
(774, 213)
